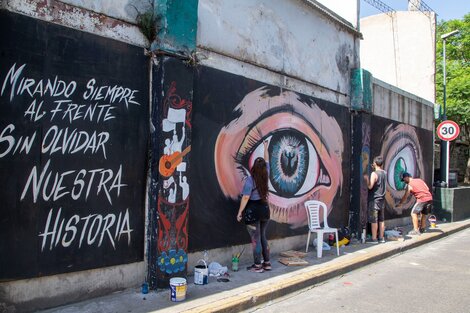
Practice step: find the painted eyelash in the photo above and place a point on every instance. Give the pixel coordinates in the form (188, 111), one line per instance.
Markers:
(253, 138)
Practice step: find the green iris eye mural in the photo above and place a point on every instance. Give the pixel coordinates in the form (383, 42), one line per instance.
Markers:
(404, 148)
(400, 167)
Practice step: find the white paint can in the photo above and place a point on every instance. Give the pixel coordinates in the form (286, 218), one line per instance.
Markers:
(201, 273)
(178, 288)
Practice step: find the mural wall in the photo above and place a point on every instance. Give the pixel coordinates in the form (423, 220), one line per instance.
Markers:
(309, 156)
(73, 148)
(404, 148)
(170, 184)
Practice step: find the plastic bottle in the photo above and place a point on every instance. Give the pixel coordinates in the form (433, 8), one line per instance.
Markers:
(235, 262)
(145, 288)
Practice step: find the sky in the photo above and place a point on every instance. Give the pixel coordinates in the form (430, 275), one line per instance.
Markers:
(445, 9)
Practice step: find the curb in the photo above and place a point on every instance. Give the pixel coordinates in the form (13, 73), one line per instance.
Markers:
(277, 287)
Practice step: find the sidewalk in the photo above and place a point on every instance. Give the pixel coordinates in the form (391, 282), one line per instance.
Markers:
(246, 289)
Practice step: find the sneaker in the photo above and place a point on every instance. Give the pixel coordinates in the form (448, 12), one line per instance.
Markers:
(381, 240)
(267, 266)
(414, 233)
(422, 230)
(371, 241)
(255, 268)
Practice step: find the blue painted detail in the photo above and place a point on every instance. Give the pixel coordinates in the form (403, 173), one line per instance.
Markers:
(172, 262)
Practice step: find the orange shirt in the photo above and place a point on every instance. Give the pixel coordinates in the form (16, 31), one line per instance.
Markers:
(420, 190)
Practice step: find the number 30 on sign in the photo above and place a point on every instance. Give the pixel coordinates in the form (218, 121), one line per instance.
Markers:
(448, 130)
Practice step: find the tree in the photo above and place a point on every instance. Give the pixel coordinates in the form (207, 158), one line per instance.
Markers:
(457, 74)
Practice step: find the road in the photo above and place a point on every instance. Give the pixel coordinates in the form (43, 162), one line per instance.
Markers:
(432, 278)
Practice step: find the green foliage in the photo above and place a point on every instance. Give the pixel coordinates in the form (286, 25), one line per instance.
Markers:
(457, 69)
(148, 23)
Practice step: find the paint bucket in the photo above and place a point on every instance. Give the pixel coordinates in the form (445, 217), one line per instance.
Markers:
(177, 289)
(432, 220)
(201, 273)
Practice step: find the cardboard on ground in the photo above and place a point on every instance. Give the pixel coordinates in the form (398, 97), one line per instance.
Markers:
(293, 254)
(293, 261)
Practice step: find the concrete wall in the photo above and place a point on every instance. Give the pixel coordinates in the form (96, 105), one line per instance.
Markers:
(396, 125)
(400, 50)
(87, 16)
(398, 105)
(302, 47)
(28, 295)
(126, 10)
(46, 289)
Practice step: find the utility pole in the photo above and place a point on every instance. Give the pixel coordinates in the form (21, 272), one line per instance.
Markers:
(444, 164)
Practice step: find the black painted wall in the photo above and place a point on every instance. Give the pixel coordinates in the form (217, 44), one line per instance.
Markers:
(235, 108)
(73, 149)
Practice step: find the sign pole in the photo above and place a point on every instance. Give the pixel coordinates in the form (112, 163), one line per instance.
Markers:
(447, 131)
(444, 144)
(447, 155)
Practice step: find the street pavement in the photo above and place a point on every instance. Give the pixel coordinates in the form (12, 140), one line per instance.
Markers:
(432, 278)
(247, 290)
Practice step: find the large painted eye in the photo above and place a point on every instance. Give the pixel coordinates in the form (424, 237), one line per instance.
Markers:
(401, 152)
(305, 152)
(403, 161)
(295, 167)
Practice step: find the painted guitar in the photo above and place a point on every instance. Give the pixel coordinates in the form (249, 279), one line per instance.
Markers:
(168, 163)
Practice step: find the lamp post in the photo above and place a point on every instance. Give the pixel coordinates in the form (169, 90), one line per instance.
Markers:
(444, 171)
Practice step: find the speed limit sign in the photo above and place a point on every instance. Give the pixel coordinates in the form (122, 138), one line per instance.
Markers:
(448, 130)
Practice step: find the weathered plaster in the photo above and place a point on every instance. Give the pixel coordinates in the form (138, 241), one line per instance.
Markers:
(252, 71)
(290, 38)
(126, 10)
(398, 105)
(78, 18)
(179, 21)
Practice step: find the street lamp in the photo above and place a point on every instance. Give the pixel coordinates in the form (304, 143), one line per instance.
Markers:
(445, 144)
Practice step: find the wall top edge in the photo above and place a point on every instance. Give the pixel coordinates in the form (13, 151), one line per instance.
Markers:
(70, 16)
(334, 17)
(402, 92)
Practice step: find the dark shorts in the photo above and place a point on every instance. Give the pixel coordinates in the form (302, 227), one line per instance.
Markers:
(376, 211)
(422, 207)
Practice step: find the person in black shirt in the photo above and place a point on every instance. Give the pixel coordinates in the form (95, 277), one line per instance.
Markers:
(376, 199)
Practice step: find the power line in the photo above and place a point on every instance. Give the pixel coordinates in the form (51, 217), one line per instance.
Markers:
(423, 7)
(381, 6)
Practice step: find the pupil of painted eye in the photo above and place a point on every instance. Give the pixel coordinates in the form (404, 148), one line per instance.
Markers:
(400, 167)
(289, 161)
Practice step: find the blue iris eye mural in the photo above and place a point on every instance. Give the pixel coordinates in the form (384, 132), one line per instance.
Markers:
(289, 161)
(295, 166)
(305, 151)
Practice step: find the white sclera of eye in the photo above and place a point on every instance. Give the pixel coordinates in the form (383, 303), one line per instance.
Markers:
(407, 154)
(313, 170)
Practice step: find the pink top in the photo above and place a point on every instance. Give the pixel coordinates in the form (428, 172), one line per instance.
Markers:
(420, 190)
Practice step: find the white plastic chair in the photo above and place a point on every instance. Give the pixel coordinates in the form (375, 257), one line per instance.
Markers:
(313, 214)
